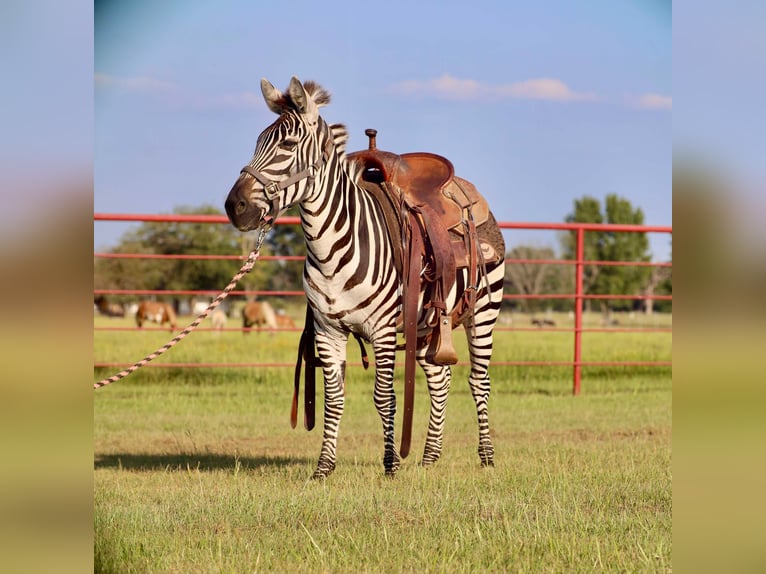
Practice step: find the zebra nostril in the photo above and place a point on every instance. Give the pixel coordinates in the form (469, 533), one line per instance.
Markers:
(241, 207)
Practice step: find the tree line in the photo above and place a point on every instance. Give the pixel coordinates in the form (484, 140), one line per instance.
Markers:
(269, 275)
(552, 278)
(198, 274)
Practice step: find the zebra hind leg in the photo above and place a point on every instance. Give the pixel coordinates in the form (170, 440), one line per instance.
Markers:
(385, 399)
(438, 379)
(480, 348)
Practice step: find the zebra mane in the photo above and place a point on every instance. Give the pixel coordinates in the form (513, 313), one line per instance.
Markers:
(320, 96)
(340, 139)
(317, 93)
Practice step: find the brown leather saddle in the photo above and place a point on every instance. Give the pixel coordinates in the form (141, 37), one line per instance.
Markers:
(428, 206)
(432, 217)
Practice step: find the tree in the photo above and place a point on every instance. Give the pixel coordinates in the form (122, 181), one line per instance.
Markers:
(610, 246)
(172, 238)
(200, 274)
(659, 283)
(528, 278)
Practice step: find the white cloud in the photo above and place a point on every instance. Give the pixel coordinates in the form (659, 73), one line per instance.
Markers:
(451, 88)
(652, 102)
(445, 87)
(546, 89)
(448, 87)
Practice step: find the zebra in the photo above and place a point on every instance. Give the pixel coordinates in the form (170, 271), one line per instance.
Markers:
(350, 280)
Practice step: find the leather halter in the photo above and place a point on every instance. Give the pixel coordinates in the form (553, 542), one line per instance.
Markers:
(272, 188)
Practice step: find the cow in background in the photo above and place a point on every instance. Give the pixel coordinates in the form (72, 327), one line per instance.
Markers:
(284, 321)
(218, 319)
(260, 314)
(157, 312)
(108, 309)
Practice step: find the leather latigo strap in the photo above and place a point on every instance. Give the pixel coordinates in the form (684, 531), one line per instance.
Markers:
(466, 305)
(305, 354)
(309, 389)
(441, 258)
(411, 293)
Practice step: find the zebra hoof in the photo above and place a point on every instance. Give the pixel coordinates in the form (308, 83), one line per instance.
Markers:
(391, 470)
(322, 472)
(487, 454)
(391, 463)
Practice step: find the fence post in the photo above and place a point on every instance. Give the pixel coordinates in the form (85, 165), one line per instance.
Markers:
(578, 308)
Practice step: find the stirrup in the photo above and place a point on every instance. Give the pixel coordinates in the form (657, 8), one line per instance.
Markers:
(441, 350)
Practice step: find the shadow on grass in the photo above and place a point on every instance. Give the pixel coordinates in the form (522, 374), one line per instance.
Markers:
(191, 461)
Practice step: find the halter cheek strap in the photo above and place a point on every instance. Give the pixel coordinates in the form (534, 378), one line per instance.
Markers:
(272, 188)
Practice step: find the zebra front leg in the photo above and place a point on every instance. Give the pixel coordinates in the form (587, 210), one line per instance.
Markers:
(438, 378)
(385, 398)
(332, 353)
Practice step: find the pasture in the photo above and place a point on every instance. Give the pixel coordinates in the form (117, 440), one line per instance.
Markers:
(198, 470)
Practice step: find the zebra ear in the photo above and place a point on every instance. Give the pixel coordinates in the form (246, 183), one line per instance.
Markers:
(274, 98)
(303, 102)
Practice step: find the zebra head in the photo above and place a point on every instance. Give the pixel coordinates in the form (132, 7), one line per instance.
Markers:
(287, 158)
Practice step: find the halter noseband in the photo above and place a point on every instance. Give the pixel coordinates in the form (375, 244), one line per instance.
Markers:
(272, 188)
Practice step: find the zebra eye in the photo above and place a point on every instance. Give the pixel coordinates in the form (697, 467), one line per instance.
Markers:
(289, 142)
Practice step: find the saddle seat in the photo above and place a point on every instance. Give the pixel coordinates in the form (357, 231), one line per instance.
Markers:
(424, 179)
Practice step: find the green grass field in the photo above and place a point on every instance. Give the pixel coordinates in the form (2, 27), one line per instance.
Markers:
(198, 470)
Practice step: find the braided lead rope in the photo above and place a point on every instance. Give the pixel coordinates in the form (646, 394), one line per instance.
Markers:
(247, 266)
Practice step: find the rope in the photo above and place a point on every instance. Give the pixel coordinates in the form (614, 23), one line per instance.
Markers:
(247, 266)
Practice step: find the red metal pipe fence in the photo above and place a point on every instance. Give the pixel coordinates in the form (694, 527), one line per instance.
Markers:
(579, 296)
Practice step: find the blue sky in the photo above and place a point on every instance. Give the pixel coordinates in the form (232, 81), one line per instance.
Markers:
(536, 103)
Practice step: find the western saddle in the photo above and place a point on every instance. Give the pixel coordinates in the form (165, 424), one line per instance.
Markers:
(432, 218)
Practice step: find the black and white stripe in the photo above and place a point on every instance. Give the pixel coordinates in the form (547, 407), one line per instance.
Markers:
(349, 276)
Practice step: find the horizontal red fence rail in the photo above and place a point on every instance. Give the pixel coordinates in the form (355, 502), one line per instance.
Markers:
(497, 328)
(578, 296)
(458, 364)
(179, 218)
(212, 292)
(301, 294)
(198, 257)
(302, 257)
